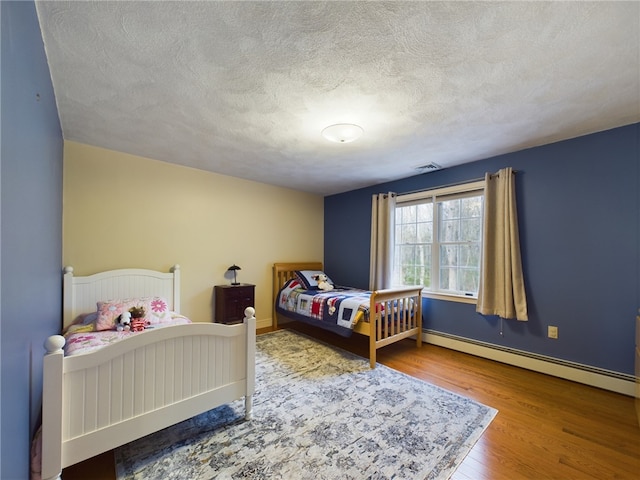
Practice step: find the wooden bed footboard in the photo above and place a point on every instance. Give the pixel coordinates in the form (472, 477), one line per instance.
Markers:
(395, 314)
(97, 401)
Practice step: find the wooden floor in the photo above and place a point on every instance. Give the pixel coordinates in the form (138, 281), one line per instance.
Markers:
(546, 428)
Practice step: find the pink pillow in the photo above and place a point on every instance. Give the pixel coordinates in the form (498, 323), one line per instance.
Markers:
(158, 311)
(155, 311)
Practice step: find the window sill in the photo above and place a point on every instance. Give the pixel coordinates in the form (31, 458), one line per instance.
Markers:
(449, 297)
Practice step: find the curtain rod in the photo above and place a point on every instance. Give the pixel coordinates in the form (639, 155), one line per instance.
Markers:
(491, 175)
(453, 184)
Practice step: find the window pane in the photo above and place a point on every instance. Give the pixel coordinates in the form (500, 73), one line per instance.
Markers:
(424, 232)
(471, 207)
(449, 209)
(470, 230)
(409, 214)
(408, 233)
(469, 280)
(460, 267)
(448, 255)
(408, 275)
(469, 255)
(449, 231)
(406, 254)
(423, 265)
(425, 212)
(448, 278)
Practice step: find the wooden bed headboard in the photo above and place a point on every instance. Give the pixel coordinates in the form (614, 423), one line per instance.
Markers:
(282, 273)
(81, 294)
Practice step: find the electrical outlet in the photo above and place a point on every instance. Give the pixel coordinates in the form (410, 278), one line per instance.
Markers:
(552, 331)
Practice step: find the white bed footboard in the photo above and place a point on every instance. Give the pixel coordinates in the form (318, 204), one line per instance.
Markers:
(97, 401)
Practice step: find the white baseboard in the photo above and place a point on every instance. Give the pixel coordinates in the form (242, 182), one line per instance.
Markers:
(264, 323)
(605, 379)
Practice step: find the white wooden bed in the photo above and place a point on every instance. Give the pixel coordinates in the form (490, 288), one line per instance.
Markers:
(383, 328)
(97, 401)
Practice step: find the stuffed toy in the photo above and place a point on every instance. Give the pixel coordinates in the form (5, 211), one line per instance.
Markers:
(136, 312)
(138, 323)
(123, 322)
(323, 284)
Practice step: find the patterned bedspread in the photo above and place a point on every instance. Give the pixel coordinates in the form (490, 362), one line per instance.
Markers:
(338, 310)
(84, 340)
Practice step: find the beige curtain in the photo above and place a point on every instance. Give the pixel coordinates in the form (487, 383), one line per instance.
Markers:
(382, 233)
(501, 289)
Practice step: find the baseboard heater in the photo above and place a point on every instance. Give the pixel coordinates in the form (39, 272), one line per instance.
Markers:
(593, 376)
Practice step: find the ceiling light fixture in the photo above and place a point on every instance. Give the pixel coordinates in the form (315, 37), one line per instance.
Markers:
(342, 132)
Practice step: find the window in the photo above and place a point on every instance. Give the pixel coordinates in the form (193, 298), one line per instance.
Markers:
(438, 239)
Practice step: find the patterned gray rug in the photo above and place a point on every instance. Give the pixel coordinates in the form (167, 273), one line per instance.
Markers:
(319, 413)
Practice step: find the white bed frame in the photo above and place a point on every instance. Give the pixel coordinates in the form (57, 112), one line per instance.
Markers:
(97, 401)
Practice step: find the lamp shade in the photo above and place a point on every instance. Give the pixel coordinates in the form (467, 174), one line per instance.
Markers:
(234, 268)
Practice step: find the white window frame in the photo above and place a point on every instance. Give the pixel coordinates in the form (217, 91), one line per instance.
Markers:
(433, 196)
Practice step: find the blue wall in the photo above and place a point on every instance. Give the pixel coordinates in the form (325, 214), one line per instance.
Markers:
(579, 212)
(31, 234)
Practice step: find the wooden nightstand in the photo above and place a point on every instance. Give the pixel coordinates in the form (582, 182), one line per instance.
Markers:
(231, 300)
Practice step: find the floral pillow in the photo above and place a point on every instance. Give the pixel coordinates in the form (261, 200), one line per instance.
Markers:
(155, 311)
(158, 311)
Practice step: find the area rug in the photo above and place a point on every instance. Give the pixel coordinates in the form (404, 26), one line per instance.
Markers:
(319, 413)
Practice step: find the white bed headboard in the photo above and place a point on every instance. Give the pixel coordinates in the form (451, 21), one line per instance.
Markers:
(81, 294)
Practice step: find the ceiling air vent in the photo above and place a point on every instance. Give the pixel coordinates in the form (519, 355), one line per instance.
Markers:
(429, 167)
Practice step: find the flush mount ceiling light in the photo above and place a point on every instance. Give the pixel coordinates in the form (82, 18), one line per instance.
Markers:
(342, 132)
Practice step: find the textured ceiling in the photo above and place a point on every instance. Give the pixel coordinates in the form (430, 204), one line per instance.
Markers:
(245, 88)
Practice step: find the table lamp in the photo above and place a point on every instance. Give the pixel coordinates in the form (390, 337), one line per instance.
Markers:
(234, 268)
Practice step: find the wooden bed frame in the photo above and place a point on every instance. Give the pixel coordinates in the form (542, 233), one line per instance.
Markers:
(97, 401)
(383, 329)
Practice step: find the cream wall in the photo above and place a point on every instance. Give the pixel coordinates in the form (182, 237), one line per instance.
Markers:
(124, 211)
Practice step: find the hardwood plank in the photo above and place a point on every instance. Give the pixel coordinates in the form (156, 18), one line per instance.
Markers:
(100, 467)
(546, 427)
